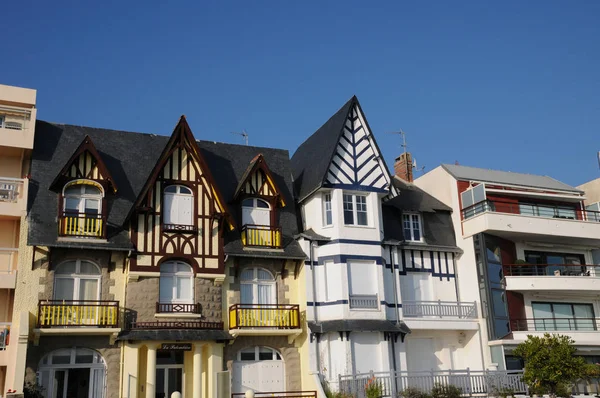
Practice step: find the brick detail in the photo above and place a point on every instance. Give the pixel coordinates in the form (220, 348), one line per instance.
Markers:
(403, 167)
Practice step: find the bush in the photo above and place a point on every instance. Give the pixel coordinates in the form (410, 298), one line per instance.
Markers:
(445, 391)
(33, 390)
(333, 394)
(412, 392)
(373, 389)
(502, 392)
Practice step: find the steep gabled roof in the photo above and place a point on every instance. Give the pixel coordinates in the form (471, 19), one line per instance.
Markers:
(311, 160)
(258, 163)
(413, 198)
(87, 145)
(507, 177)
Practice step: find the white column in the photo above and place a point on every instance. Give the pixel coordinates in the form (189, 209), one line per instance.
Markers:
(197, 372)
(151, 372)
(215, 364)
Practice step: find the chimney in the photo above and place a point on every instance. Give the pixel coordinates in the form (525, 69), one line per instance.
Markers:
(403, 167)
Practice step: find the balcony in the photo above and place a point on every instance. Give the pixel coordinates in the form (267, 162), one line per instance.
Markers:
(198, 325)
(17, 128)
(265, 319)
(583, 330)
(261, 236)
(440, 315)
(582, 279)
(13, 193)
(4, 335)
(8, 267)
(82, 225)
(522, 221)
(176, 310)
(364, 302)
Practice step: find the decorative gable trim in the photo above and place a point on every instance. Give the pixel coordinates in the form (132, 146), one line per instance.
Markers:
(182, 136)
(357, 163)
(258, 180)
(85, 163)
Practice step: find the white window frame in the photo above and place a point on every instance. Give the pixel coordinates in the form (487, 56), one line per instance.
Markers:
(174, 277)
(77, 277)
(255, 206)
(327, 209)
(276, 355)
(412, 228)
(83, 197)
(255, 282)
(355, 210)
(175, 194)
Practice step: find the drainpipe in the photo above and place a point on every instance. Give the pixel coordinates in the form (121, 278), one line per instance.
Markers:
(395, 288)
(314, 294)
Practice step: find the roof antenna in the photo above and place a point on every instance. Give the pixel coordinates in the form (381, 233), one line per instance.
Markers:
(405, 147)
(243, 134)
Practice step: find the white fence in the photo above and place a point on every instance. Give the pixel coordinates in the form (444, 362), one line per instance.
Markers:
(481, 382)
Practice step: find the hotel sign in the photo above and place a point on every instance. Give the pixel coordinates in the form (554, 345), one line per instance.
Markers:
(177, 346)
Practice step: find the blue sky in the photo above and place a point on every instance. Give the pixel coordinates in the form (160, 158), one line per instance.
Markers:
(511, 85)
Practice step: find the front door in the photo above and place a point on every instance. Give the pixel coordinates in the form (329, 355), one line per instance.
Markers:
(169, 373)
(258, 369)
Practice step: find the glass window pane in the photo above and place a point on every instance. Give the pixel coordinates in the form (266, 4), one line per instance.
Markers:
(526, 209)
(416, 224)
(247, 274)
(264, 275)
(92, 206)
(64, 288)
(248, 202)
(183, 267)
(262, 204)
(168, 267)
(171, 189)
(348, 217)
(265, 355)
(546, 211)
(248, 354)
(67, 268)
(184, 288)
(166, 289)
(88, 289)
(185, 190)
(84, 358)
(73, 190)
(91, 190)
(72, 204)
(501, 327)
(498, 303)
(348, 210)
(175, 381)
(361, 218)
(61, 359)
(87, 268)
(583, 310)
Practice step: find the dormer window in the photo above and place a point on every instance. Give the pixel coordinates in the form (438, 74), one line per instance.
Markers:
(82, 209)
(178, 206)
(412, 227)
(256, 212)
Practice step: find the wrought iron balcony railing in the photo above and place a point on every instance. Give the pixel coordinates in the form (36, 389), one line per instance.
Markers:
(261, 236)
(274, 316)
(439, 309)
(10, 189)
(82, 225)
(550, 270)
(553, 324)
(78, 313)
(172, 308)
(364, 301)
(177, 325)
(531, 210)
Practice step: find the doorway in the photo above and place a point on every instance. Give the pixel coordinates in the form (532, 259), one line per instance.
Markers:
(169, 373)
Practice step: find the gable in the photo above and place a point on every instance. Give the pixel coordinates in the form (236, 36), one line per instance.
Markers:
(85, 163)
(258, 181)
(357, 163)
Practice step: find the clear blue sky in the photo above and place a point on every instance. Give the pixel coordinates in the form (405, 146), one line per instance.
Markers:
(512, 85)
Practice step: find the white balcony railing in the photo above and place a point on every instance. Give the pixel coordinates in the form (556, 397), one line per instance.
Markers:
(364, 301)
(10, 189)
(439, 309)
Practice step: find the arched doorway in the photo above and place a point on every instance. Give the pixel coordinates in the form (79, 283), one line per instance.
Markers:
(73, 372)
(258, 369)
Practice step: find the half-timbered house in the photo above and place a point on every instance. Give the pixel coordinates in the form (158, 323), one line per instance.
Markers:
(159, 262)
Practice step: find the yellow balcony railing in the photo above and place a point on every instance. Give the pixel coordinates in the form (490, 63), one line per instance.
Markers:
(82, 224)
(261, 236)
(78, 313)
(274, 316)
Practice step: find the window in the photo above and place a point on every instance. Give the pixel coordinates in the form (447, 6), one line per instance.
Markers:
(355, 210)
(82, 198)
(412, 226)
(176, 283)
(178, 205)
(327, 210)
(259, 354)
(256, 212)
(563, 316)
(77, 280)
(538, 210)
(1, 121)
(257, 286)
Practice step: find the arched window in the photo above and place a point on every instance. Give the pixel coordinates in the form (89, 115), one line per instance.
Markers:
(257, 286)
(77, 280)
(256, 212)
(178, 205)
(176, 283)
(82, 209)
(72, 372)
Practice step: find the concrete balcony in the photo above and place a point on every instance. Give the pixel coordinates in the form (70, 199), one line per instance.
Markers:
(265, 320)
(13, 194)
(440, 315)
(8, 267)
(569, 278)
(571, 227)
(584, 331)
(17, 127)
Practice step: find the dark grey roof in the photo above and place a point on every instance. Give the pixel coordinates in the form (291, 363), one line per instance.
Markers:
(313, 157)
(507, 177)
(413, 198)
(130, 158)
(358, 325)
(175, 335)
(310, 234)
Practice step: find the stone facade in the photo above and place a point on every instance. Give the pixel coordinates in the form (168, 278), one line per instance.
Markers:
(143, 294)
(289, 353)
(110, 353)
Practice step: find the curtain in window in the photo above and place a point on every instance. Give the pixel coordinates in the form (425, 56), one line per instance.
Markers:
(88, 289)
(166, 289)
(265, 294)
(246, 293)
(64, 289)
(97, 386)
(184, 288)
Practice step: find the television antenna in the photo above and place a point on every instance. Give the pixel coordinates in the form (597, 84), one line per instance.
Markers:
(405, 148)
(243, 134)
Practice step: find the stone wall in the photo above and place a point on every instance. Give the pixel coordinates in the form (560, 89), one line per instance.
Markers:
(289, 353)
(110, 353)
(143, 294)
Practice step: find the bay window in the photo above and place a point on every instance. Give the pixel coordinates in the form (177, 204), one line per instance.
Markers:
(355, 209)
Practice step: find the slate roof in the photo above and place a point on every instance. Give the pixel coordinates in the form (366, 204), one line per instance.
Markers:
(413, 198)
(311, 160)
(356, 325)
(130, 157)
(507, 177)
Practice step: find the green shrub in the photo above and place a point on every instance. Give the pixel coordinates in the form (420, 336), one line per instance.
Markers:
(445, 391)
(412, 392)
(502, 392)
(374, 388)
(333, 394)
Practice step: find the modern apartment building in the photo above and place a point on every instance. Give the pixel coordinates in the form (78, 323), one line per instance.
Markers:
(383, 264)
(157, 264)
(529, 248)
(17, 130)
